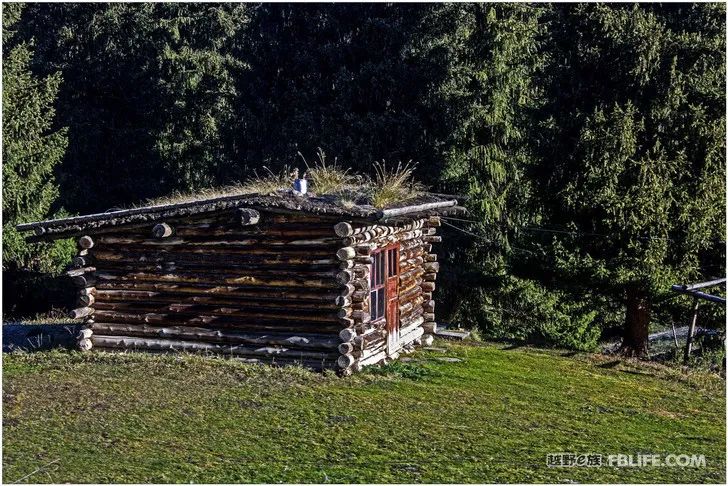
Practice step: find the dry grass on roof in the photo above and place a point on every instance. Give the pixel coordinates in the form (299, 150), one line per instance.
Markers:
(388, 186)
(392, 186)
(268, 183)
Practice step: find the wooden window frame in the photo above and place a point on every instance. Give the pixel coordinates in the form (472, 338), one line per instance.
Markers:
(380, 270)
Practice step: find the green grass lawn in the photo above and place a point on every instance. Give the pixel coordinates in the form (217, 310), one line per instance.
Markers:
(492, 417)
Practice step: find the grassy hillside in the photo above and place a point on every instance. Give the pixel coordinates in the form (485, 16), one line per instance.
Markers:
(491, 417)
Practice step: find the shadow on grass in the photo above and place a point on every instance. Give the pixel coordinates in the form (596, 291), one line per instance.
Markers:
(39, 337)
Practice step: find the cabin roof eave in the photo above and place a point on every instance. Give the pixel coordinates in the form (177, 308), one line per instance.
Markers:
(65, 227)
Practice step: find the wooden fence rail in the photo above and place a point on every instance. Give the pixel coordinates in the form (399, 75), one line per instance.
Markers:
(692, 290)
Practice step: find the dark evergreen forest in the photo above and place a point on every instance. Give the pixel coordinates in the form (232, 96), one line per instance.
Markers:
(587, 140)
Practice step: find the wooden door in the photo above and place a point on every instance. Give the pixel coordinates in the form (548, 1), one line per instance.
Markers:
(384, 292)
(392, 258)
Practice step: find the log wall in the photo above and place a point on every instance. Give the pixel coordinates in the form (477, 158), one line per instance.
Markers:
(364, 342)
(268, 287)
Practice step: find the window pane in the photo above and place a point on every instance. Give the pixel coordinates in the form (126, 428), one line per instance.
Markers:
(373, 304)
(373, 276)
(380, 303)
(392, 259)
(380, 270)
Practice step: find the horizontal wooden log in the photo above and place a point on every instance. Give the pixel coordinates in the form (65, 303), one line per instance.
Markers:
(230, 269)
(207, 252)
(361, 316)
(347, 335)
(342, 301)
(415, 303)
(313, 294)
(343, 229)
(86, 242)
(344, 277)
(412, 317)
(370, 360)
(365, 249)
(222, 336)
(86, 300)
(410, 263)
(434, 222)
(80, 271)
(346, 253)
(248, 216)
(295, 260)
(84, 333)
(411, 325)
(300, 218)
(214, 243)
(190, 346)
(231, 299)
(345, 360)
(409, 275)
(431, 266)
(220, 279)
(429, 277)
(162, 230)
(409, 338)
(430, 327)
(81, 261)
(227, 322)
(86, 280)
(347, 290)
(84, 344)
(410, 285)
(431, 257)
(429, 306)
(190, 309)
(81, 312)
(361, 284)
(390, 213)
(346, 348)
(234, 231)
(429, 316)
(428, 286)
(87, 291)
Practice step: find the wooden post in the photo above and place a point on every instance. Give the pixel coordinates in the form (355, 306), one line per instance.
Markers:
(691, 330)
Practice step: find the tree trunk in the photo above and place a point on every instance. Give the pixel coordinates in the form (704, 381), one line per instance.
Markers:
(637, 324)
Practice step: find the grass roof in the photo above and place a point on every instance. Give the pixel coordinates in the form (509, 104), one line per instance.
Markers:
(388, 187)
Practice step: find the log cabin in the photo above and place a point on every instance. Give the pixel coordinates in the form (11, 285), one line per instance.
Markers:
(278, 278)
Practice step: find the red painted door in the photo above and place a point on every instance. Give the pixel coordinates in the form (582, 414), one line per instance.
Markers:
(392, 258)
(384, 292)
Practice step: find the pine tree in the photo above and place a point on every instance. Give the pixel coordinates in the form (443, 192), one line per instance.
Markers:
(633, 151)
(32, 148)
(149, 95)
(341, 77)
(485, 99)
